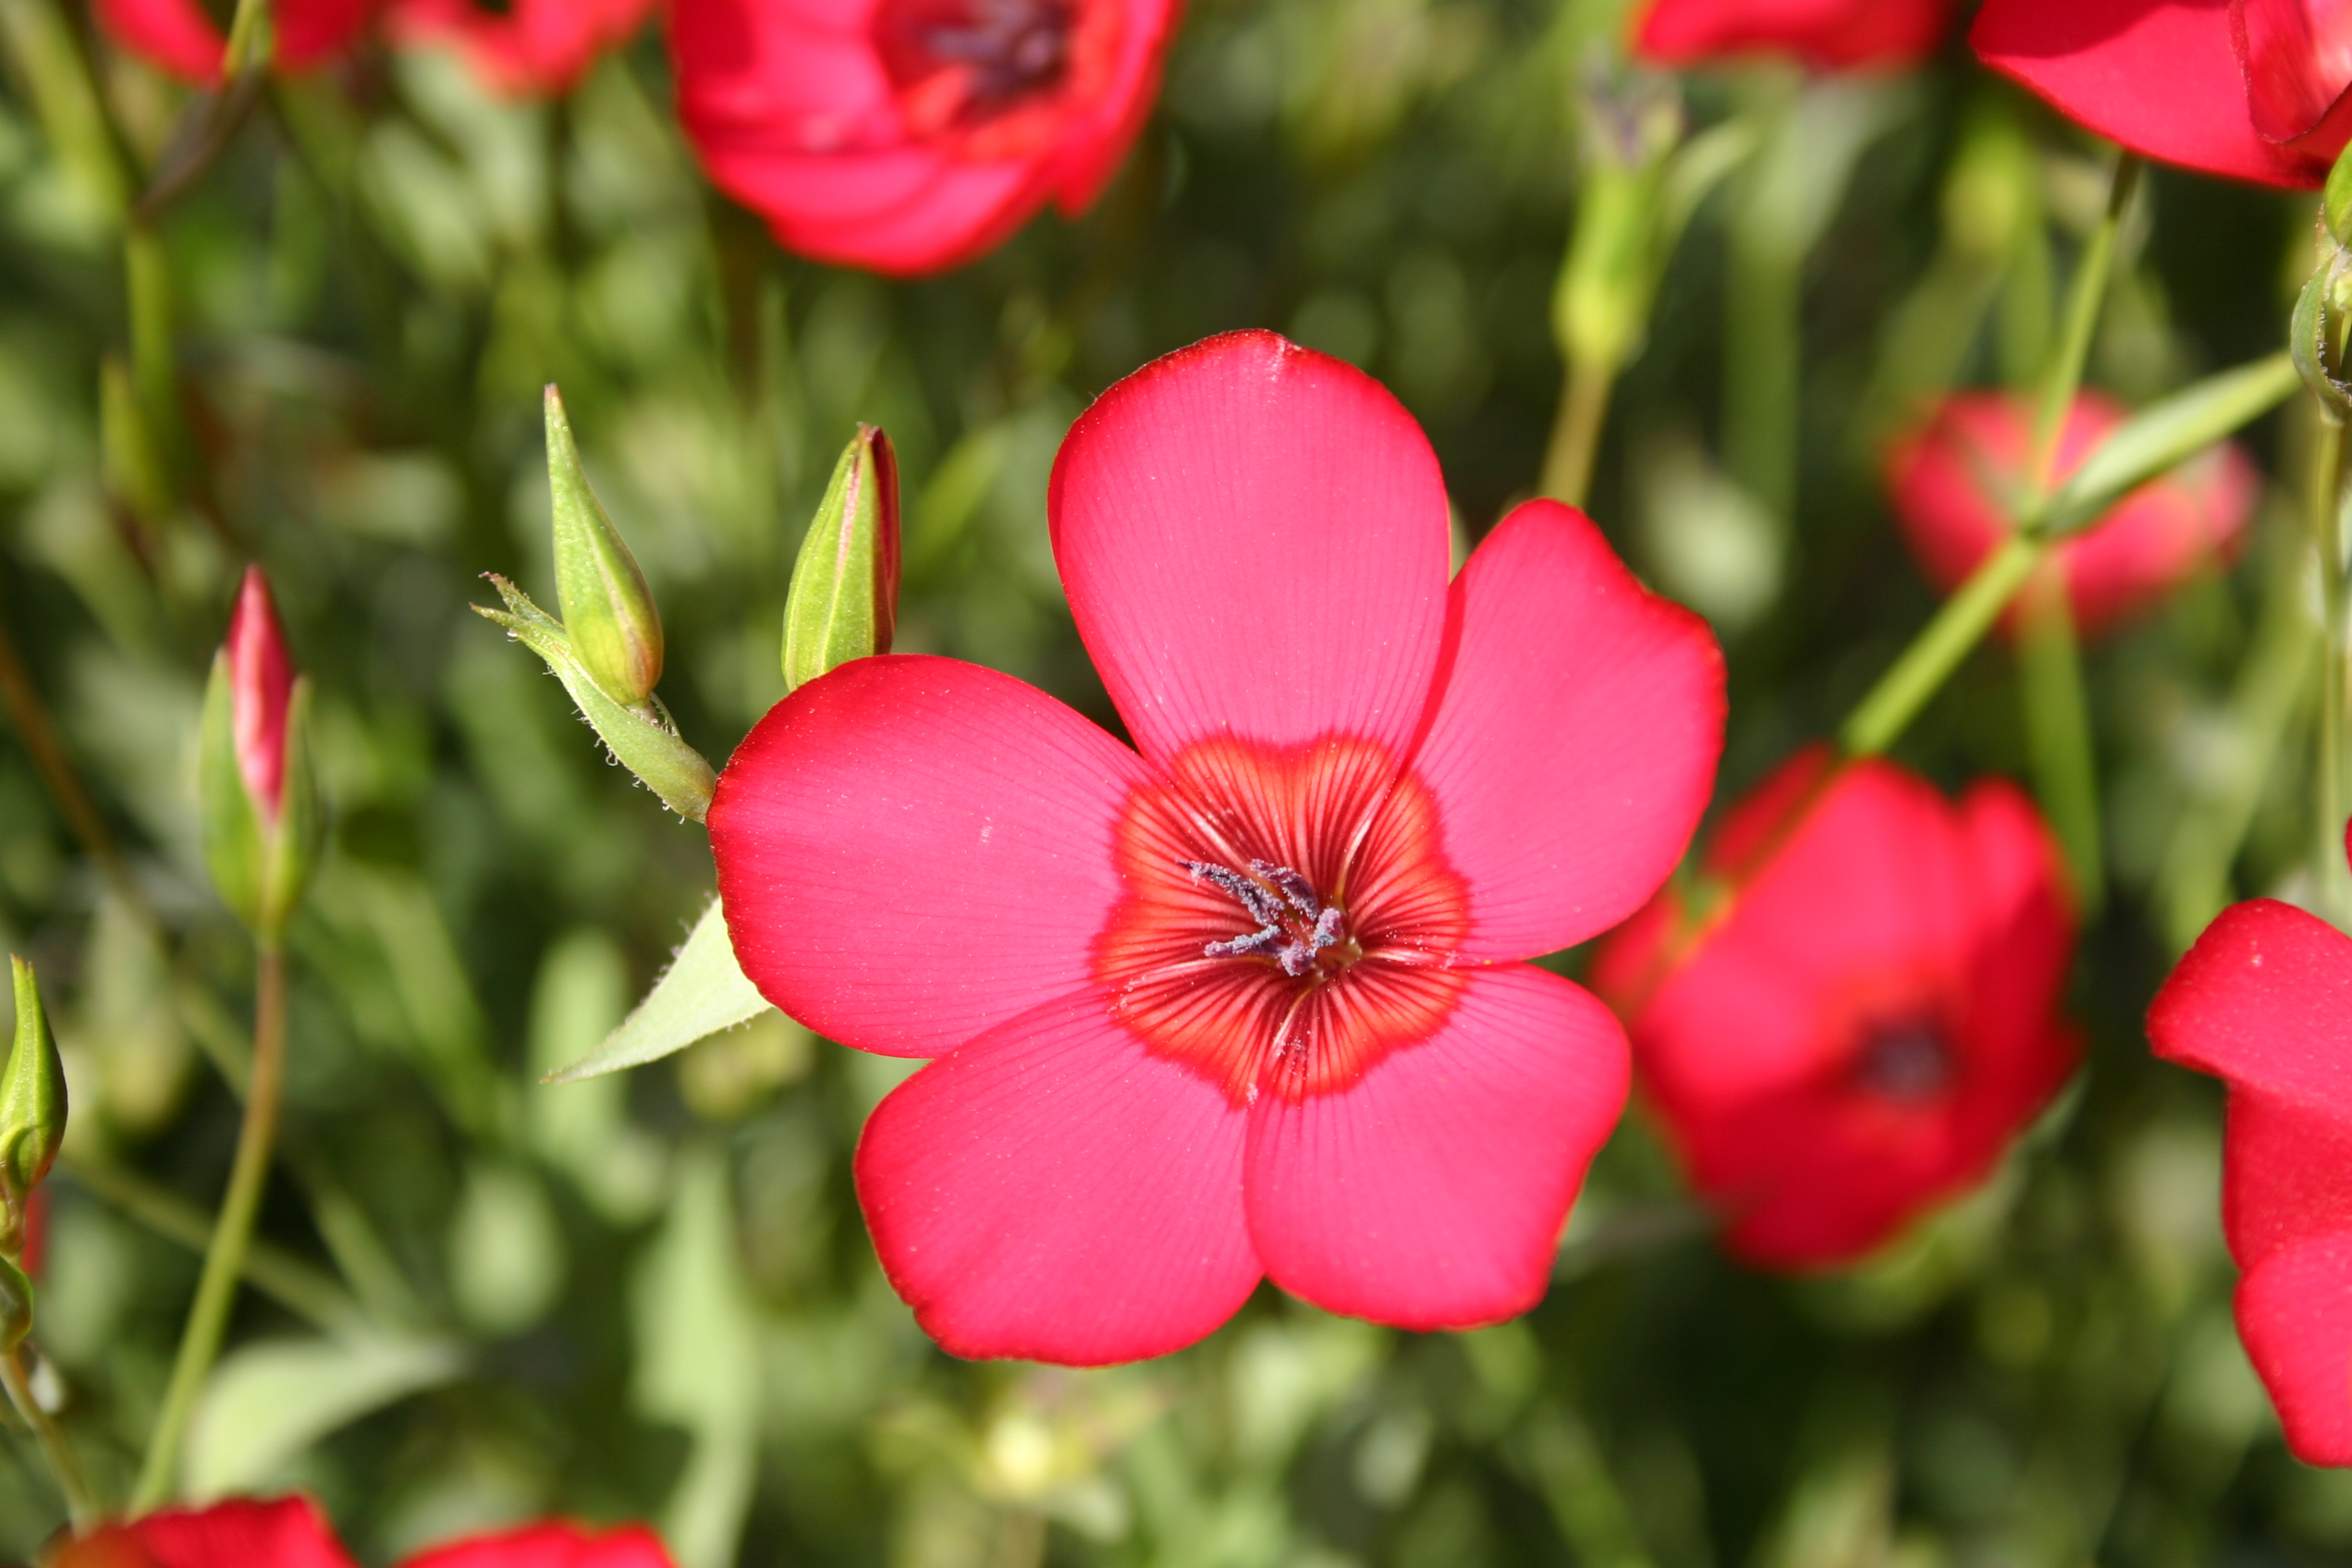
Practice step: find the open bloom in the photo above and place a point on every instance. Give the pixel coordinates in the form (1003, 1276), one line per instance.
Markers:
(2252, 90)
(290, 1533)
(1242, 1001)
(910, 136)
(1826, 35)
(1954, 482)
(1859, 1031)
(179, 37)
(522, 48)
(2261, 1003)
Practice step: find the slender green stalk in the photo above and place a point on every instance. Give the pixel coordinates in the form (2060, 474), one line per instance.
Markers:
(200, 1342)
(81, 1503)
(66, 97)
(2327, 540)
(1762, 363)
(1576, 432)
(2084, 297)
(2058, 733)
(1890, 706)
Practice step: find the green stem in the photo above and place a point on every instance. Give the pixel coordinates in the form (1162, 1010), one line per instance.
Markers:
(200, 1342)
(2084, 297)
(2328, 540)
(66, 97)
(81, 1503)
(1762, 348)
(1890, 706)
(2058, 733)
(1576, 432)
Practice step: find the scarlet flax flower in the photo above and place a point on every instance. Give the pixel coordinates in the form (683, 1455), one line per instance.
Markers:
(2252, 89)
(910, 136)
(2261, 1002)
(288, 1532)
(1858, 1032)
(1825, 34)
(523, 49)
(1956, 482)
(1245, 1000)
(178, 36)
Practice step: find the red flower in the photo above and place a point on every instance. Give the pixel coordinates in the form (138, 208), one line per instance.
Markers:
(2253, 90)
(524, 48)
(177, 35)
(1871, 1019)
(1951, 481)
(2264, 1002)
(1242, 1001)
(261, 684)
(910, 136)
(290, 1533)
(1826, 35)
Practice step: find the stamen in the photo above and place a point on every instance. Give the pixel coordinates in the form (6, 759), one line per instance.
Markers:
(1257, 943)
(1255, 898)
(1292, 884)
(1291, 938)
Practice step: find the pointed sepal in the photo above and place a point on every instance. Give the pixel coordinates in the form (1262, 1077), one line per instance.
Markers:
(32, 1107)
(608, 611)
(844, 603)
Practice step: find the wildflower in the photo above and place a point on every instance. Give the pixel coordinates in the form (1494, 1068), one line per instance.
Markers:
(2260, 1003)
(243, 1532)
(1825, 34)
(1870, 1019)
(523, 49)
(1242, 1001)
(910, 136)
(178, 36)
(1954, 483)
(2249, 90)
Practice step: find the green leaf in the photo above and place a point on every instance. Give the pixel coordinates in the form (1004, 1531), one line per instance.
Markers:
(2166, 434)
(268, 1402)
(703, 992)
(642, 739)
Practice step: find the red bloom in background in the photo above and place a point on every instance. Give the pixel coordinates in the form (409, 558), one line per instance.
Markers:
(524, 48)
(1242, 1001)
(178, 36)
(2264, 1002)
(1826, 35)
(1862, 1032)
(2252, 90)
(290, 1533)
(1951, 479)
(910, 136)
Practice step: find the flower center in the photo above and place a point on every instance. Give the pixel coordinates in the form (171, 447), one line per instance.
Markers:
(1909, 1063)
(961, 69)
(1295, 927)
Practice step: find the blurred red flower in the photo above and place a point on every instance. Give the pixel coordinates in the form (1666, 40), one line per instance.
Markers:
(1826, 35)
(1860, 1031)
(2264, 1002)
(179, 38)
(523, 49)
(1244, 1000)
(290, 1533)
(2252, 90)
(1951, 482)
(910, 136)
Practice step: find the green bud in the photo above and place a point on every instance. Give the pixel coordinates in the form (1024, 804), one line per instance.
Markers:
(2336, 201)
(1601, 303)
(608, 612)
(844, 603)
(257, 796)
(32, 1103)
(2316, 338)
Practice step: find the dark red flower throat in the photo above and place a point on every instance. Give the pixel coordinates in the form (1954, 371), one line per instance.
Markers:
(992, 69)
(1289, 919)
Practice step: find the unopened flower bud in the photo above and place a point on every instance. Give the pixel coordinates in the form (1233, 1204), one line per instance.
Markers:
(844, 603)
(32, 1107)
(2316, 338)
(259, 808)
(607, 609)
(2336, 201)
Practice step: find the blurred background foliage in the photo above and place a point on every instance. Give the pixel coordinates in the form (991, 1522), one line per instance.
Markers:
(480, 1299)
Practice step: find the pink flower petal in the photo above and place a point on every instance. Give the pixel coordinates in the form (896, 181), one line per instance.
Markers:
(2294, 1319)
(2287, 1174)
(1055, 1191)
(2264, 1000)
(175, 34)
(1430, 1193)
(1254, 538)
(312, 32)
(1576, 738)
(550, 1545)
(285, 1534)
(912, 850)
(2158, 76)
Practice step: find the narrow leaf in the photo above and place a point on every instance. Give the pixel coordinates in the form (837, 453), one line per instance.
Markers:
(2165, 435)
(703, 992)
(270, 1401)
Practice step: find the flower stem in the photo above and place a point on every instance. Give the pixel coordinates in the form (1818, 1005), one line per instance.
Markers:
(81, 1503)
(1890, 706)
(2064, 376)
(2328, 540)
(200, 1342)
(2058, 733)
(1762, 351)
(1576, 431)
